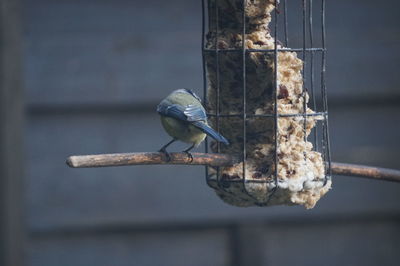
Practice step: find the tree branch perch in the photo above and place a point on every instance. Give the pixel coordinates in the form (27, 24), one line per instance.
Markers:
(149, 158)
(213, 159)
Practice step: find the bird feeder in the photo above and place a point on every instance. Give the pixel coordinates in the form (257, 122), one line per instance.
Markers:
(256, 94)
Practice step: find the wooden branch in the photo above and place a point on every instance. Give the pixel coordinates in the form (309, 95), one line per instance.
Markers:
(366, 171)
(147, 158)
(214, 159)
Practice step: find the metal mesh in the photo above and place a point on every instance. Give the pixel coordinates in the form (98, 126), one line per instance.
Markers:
(311, 68)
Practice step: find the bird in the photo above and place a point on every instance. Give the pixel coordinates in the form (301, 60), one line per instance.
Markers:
(184, 118)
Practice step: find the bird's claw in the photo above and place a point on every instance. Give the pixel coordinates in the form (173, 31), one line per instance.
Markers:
(189, 155)
(167, 155)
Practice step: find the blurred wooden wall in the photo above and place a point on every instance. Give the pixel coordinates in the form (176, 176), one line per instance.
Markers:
(12, 227)
(94, 72)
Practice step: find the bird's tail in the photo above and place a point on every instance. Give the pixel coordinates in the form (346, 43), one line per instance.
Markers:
(210, 132)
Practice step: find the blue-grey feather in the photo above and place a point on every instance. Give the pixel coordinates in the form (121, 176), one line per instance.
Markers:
(189, 113)
(210, 132)
(195, 113)
(174, 110)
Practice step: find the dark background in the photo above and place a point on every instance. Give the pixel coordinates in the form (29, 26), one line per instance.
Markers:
(92, 73)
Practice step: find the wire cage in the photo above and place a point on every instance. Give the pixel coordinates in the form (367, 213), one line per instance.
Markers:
(269, 100)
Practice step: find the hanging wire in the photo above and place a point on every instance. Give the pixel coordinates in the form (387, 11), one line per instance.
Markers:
(304, 6)
(203, 56)
(285, 23)
(313, 96)
(325, 139)
(244, 114)
(217, 74)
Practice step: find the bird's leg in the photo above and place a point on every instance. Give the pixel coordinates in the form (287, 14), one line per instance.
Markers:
(188, 153)
(163, 149)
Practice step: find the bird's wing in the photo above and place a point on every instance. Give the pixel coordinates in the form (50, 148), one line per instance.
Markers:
(195, 113)
(172, 110)
(189, 113)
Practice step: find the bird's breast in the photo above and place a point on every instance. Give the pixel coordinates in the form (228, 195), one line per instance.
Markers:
(182, 131)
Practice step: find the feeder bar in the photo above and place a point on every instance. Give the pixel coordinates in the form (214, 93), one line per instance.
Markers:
(365, 171)
(149, 158)
(213, 159)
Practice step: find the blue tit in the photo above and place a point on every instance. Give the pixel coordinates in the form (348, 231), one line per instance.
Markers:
(185, 119)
